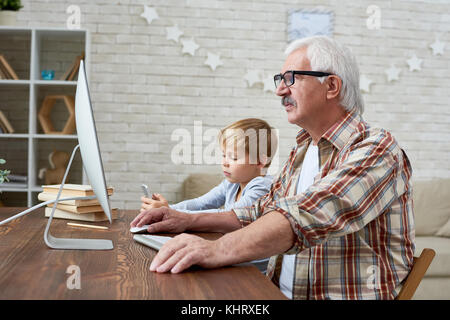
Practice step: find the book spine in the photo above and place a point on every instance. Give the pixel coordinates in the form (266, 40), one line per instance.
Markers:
(79, 203)
(69, 193)
(61, 214)
(78, 210)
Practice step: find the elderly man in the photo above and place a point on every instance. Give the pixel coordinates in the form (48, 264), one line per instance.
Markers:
(338, 220)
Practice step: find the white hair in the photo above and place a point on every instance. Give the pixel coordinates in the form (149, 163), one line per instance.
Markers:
(327, 55)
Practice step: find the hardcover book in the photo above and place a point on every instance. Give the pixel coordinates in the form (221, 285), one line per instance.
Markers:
(93, 216)
(73, 189)
(79, 203)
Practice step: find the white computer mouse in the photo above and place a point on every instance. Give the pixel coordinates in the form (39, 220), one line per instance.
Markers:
(142, 229)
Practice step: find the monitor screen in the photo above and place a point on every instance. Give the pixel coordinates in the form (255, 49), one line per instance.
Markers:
(88, 141)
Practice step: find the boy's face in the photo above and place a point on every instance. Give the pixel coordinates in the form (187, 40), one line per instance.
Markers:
(237, 166)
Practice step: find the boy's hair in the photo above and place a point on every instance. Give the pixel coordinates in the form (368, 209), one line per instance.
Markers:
(254, 136)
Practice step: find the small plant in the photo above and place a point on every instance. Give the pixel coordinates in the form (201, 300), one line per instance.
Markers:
(4, 173)
(13, 5)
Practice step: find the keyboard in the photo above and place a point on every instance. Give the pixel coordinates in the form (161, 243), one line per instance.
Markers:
(155, 242)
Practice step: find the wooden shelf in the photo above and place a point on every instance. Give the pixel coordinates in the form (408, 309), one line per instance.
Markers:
(14, 135)
(38, 82)
(54, 136)
(36, 189)
(14, 82)
(38, 45)
(9, 189)
(55, 82)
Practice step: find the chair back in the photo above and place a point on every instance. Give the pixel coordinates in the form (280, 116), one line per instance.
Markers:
(420, 267)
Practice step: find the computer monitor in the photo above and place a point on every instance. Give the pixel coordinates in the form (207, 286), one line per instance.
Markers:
(92, 161)
(88, 140)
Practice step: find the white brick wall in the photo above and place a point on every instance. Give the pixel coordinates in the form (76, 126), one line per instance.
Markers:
(143, 87)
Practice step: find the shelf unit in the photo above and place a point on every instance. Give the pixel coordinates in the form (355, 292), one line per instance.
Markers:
(30, 50)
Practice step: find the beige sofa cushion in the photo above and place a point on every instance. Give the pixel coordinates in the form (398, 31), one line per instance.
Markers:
(445, 230)
(433, 289)
(431, 205)
(198, 184)
(440, 266)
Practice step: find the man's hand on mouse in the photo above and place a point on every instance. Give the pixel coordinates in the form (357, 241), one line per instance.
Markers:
(186, 250)
(163, 219)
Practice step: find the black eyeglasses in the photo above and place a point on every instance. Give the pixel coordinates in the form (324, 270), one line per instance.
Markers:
(289, 76)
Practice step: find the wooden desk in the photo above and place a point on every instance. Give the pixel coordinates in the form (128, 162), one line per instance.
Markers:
(31, 270)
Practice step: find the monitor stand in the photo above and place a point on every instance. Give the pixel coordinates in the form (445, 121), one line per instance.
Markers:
(71, 243)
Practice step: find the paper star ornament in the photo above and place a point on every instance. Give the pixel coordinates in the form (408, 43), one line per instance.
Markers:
(173, 33)
(213, 61)
(364, 83)
(252, 77)
(269, 85)
(414, 63)
(437, 47)
(392, 73)
(149, 14)
(189, 46)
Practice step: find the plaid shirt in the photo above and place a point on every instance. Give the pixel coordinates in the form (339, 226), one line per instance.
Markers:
(354, 225)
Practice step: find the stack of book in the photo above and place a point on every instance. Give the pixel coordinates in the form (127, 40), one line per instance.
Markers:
(82, 210)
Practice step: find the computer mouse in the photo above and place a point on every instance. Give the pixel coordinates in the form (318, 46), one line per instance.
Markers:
(142, 229)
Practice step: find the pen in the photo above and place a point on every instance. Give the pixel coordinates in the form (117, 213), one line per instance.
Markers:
(86, 226)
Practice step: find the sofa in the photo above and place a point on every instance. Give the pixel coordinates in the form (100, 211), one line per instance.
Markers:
(432, 222)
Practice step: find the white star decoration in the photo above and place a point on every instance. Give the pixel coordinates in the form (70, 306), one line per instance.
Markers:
(149, 14)
(252, 77)
(414, 63)
(437, 47)
(364, 83)
(189, 46)
(392, 73)
(269, 85)
(213, 61)
(256, 76)
(173, 33)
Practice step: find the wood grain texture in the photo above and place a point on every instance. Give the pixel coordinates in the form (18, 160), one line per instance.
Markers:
(31, 270)
(420, 267)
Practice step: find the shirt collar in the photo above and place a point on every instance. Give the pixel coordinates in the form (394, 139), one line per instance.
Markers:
(338, 134)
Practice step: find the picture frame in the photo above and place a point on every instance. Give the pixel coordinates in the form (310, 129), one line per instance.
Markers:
(304, 23)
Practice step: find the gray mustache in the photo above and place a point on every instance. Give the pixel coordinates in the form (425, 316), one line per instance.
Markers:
(288, 100)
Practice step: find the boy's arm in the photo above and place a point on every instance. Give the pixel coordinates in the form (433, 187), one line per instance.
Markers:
(256, 189)
(213, 199)
(171, 220)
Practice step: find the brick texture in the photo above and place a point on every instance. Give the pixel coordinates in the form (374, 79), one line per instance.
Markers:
(143, 87)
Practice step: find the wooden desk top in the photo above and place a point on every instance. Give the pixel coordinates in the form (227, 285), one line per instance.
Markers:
(31, 270)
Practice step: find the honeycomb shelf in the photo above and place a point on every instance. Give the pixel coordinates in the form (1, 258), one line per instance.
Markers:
(29, 50)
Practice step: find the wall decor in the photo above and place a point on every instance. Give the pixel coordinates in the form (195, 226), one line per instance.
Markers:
(309, 22)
